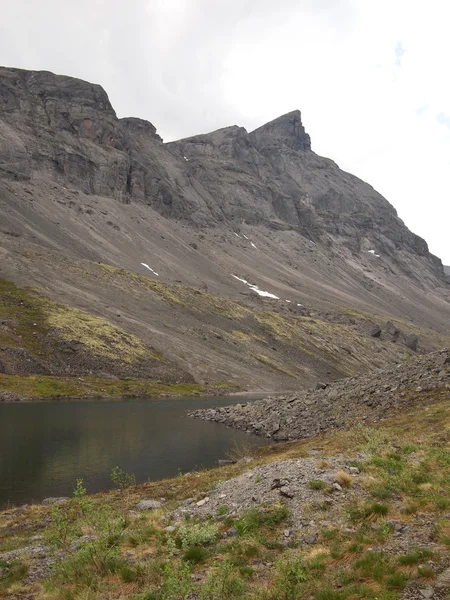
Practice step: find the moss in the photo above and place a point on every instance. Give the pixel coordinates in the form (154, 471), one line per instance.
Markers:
(97, 335)
(38, 386)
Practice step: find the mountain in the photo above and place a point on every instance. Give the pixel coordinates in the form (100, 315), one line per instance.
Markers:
(447, 270)
(228, 257)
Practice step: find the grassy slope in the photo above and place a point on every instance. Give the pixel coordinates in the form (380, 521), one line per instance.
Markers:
(405, 465)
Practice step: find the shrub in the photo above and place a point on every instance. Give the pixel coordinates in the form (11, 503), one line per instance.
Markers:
(121, 479)
(291, 574)
(197, 534)
(195, 554)
(223, 583)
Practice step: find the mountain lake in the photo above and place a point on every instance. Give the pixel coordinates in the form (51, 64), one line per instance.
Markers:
(46, 446)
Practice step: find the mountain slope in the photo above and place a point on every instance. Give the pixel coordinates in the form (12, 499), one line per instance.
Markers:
(179, 228)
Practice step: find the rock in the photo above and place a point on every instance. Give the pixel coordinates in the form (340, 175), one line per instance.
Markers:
(56, 500)
(311, 538)
(336, 487)
(203, 501)
(148, 505)
(426, 593)
(443, 579)
(375, 331)
(278, 483)
(170, 528)
(232, 532)
(354, 470)
(286, 492)
(320, 386)
(412, 342)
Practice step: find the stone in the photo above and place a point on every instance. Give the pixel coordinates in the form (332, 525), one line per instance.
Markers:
(336, 487)
(375, 331)
(311, 538)
(412, 341)
(203, 501)
(286, 492)
(148, 505)
(427, 593)
(170, 528)
(56, 500)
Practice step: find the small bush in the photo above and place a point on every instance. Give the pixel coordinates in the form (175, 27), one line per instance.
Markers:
(197, 534)
(121, 479)
(317, 484)
(416, 556)
(195, 554)
(291, 574)
(223, 583)
(397, 581)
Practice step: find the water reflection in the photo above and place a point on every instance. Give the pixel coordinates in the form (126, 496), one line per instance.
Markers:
(45, 447)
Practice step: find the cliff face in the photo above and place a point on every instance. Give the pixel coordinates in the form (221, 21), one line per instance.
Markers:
(67, 129)
(77, 183)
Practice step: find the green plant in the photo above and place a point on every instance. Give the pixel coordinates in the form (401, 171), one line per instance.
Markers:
(223, 583)
(195, 554)
(290, 575)
(197, 534)
(317, 484)
(122, 479)
(222, 510)
(416, 556)
(176, 582)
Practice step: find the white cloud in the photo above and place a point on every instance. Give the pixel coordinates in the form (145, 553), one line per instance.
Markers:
(369, 77)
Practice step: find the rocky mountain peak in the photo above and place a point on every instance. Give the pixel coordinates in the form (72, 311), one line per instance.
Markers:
(286, 130)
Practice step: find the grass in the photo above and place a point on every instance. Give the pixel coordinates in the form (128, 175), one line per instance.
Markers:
(46, 387)
(349, 561)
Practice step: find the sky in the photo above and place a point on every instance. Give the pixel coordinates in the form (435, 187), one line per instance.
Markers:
(369, 76)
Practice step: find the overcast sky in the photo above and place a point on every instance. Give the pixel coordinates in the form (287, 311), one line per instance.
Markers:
(371, 77)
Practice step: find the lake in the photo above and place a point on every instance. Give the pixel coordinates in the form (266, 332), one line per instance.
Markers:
(46, 446)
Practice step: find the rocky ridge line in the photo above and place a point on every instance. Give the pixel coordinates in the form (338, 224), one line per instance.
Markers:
(370, 397)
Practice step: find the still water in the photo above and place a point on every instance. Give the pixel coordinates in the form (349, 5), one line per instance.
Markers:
(45, 447)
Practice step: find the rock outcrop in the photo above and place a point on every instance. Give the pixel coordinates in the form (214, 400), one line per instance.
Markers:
(370, 397)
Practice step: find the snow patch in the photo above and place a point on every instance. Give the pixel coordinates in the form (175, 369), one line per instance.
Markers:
(185, 158)
(289, 301)
(236, 234)
(256, 289)
(150, 269)
(299, 304)
(245, 236)
(253, 245)
(373, 252)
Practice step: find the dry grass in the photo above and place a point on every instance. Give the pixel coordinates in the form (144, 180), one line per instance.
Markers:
(343, 479)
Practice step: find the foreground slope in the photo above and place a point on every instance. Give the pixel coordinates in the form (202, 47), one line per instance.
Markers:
(101, 216)
(360, 512)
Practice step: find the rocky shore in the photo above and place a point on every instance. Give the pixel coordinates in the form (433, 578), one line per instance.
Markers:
(370, 397)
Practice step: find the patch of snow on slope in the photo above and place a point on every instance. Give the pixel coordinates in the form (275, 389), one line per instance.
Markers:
(373, 252)
(253, 244)
(236, 234)
(150, 269)
(256, 289)
(185, 158)
(245, 236)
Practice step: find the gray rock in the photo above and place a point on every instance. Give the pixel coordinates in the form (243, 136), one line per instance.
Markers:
(148, 505)
(57, 500)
